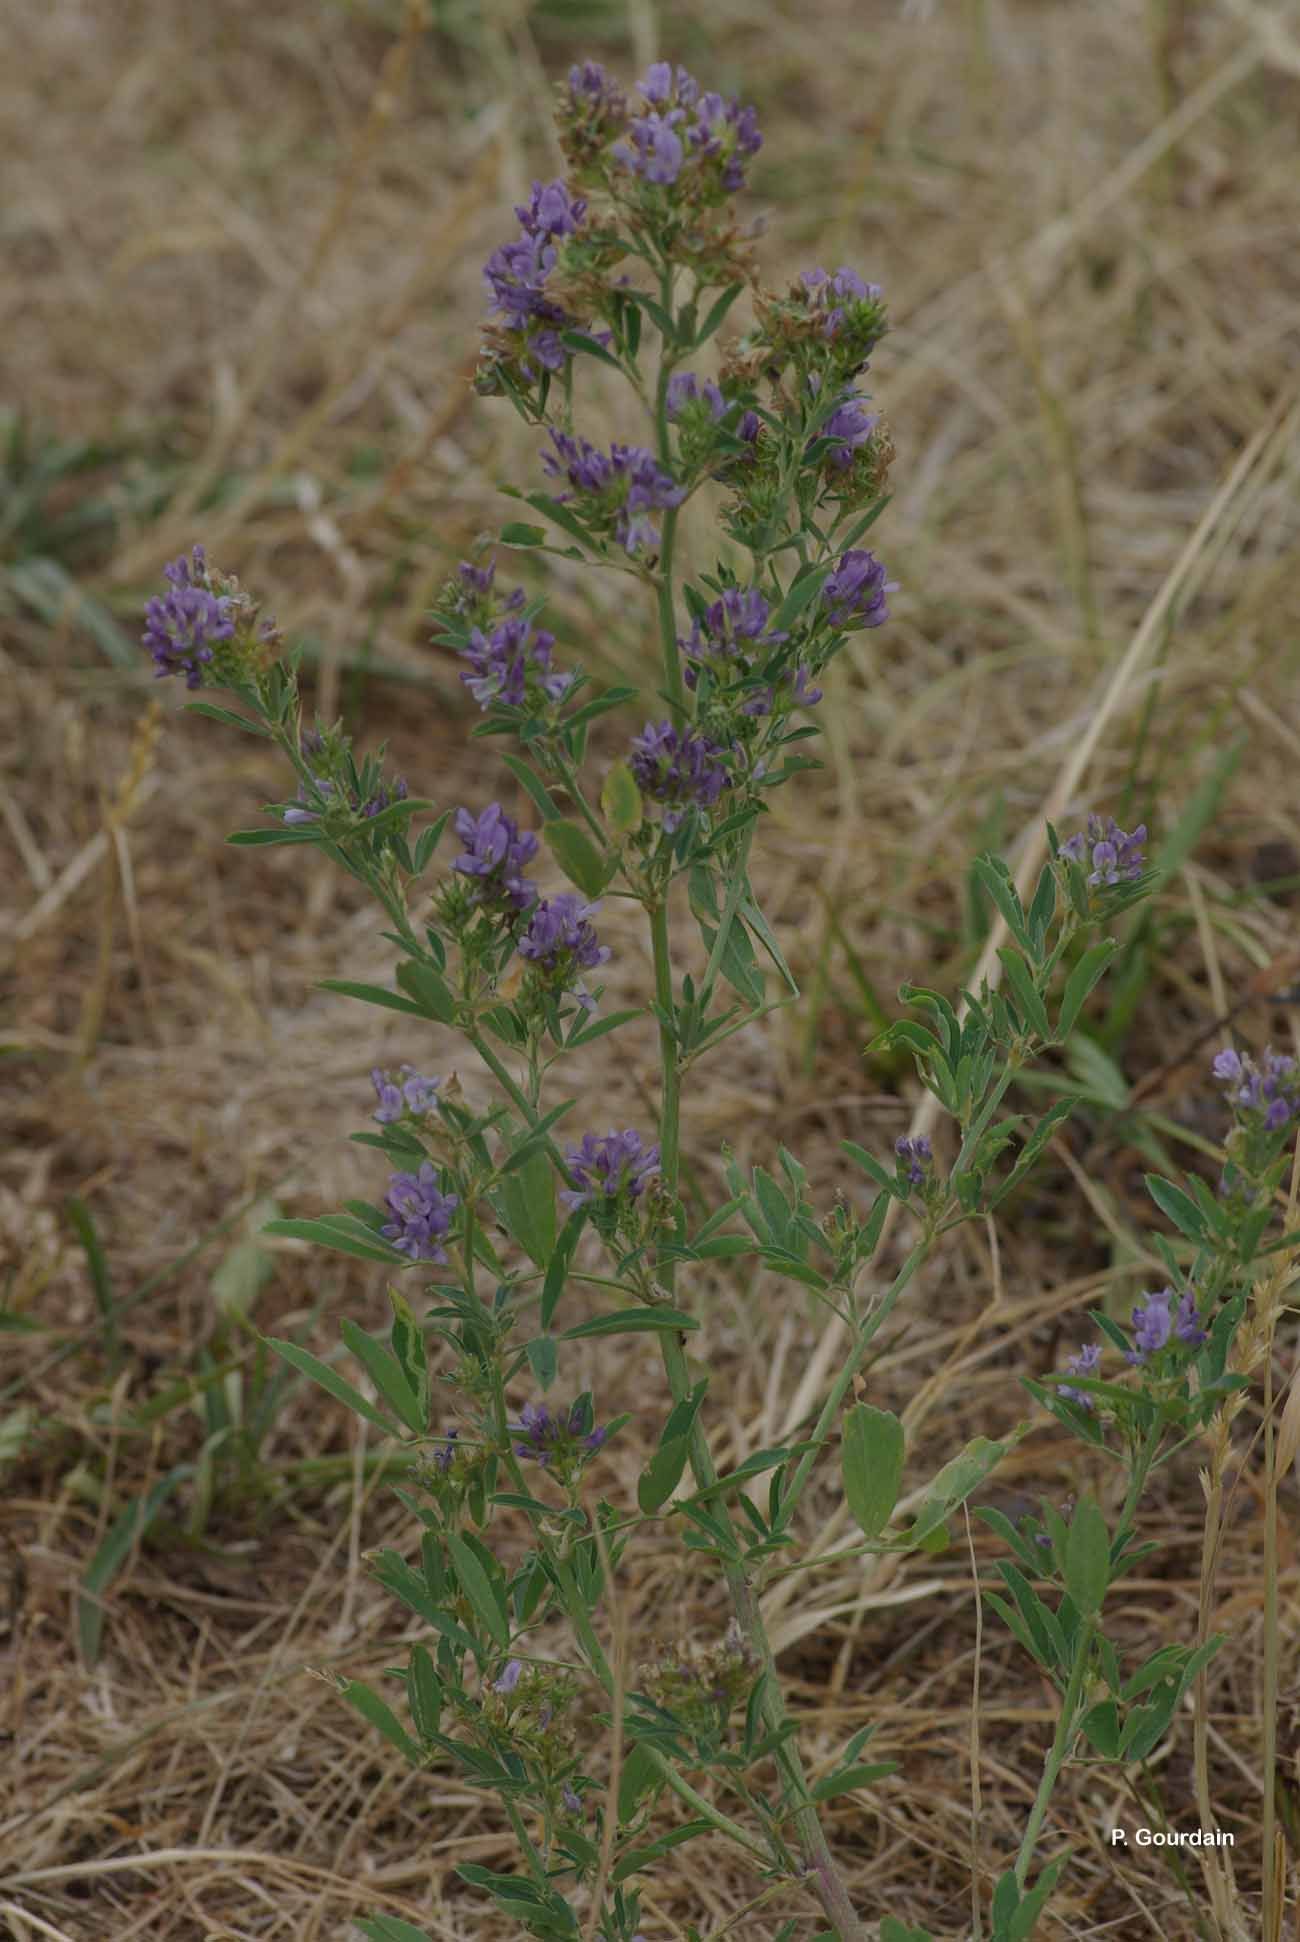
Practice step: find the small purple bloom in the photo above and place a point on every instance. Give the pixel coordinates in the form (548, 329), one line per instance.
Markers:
(829, 296)
(444, 1458)
(685, 390)
(560, 939)
(495, 853)
(627, 484)
(854, 594)
(918, 1154)
(510, 1677)
(851, 426)
(804, 693)
(182, 625)
(1085, 1363)
(1152, 1326)
(300, 813)
(407, 1093)
(502, 660)
(551, 210)
(421, 1214)
(1269, 1085)
(1187, 1324)
(1116, 856)
(653, 148)
(571, 1799)
(677, 768)
(605, 1167)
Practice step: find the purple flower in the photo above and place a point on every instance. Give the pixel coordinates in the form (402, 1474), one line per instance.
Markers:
(510, 1677)
(551, 210)
(407, 1093)
(588, 83)
(604, 1168)
(685, 390)
(301, 813)
(516, 275)
(181, 625)
(559, 940)
(382, 799)
(571, 1799)
(626, 485)
(919, 1156)
(851, 426)
(677, 768)
(495, 853)
(502, 660)
(829, 296)
(1085, 1363)
(733, 627)
(806, 695)
(854, 594)
(1187, 1324)
(653, 148)
(543, 1433)
(1152, 1326)
(1116, 857)
(444, 1458)
(421, 1214)
(1269, 1086)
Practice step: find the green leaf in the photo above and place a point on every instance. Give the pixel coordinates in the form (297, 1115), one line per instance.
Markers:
(559, 1264)
(1087, 1558)
(871, 1455)
(892, 1930)
(578, 857)
(431, 992)
(1182, 1211)
(543, 1360)
(343, 1236)
(716, 313)
(804, 590)
(852, 1778)
(872, 1166)
(663, 1473)
(1100, 1726)
(578, 340)
(329, 1379)
(1081, 981)
(112, 1554)
(996, 879)
(633, 1321)
(954, 1484)
(620, 800)
(1027, 995)
(543, 800)
(410, 1350)
(636, 1859)
(639, 1774)
(372, 1708)
(526, 1200)
(229, 717)
(253, 839)
(391, 1928)
(517, 533)
(479, 1589)
(370, 994)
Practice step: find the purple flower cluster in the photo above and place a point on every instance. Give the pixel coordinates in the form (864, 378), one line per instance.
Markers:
(687, 392)
(854, 594)
(918, 1155)
(1155, 1320)
(503, 658)
(1085, 1363)
(732, 632)
(496, 853)
(407, 1093)
(421, 1214)
(830, 296)
(603, 1168)
(372, 806)
(446, 1456)
(182, 625)
(622, 487)
(1270, 1086)
(678, 769)
(851, 426)
(517, 273)
(560, 939)
(681, 126)
(542, 1433)
(1116, 856)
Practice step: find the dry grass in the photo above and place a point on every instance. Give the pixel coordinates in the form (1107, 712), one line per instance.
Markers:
(242, 247)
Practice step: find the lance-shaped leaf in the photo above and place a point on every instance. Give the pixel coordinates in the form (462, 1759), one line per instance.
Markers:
(578, 857)
(871, 1455)
(954, 1484)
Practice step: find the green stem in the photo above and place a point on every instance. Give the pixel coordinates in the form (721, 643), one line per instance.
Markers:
(574, 788)
(1065, 1727)
(519, 1097)
(737, 886)
(535, 1864)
